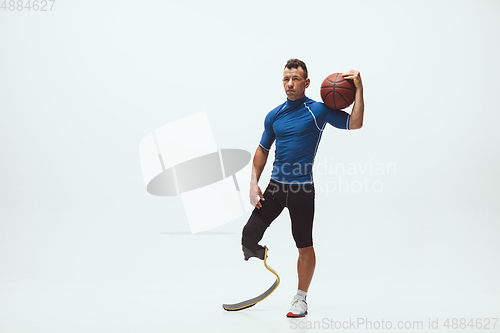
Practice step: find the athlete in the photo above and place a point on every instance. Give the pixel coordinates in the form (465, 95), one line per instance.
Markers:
(296, 127)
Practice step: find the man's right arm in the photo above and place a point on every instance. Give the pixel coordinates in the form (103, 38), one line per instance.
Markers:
(259, 162)
(260, 158)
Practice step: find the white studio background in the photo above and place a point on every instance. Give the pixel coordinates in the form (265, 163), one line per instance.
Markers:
(84, 247)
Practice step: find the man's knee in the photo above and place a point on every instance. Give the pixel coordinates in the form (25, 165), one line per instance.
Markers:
(306, 251)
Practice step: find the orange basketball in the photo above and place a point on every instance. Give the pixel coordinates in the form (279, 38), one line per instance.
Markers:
(336, 92)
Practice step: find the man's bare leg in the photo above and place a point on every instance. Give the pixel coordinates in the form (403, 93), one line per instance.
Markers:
(305, 270)
(305, 267)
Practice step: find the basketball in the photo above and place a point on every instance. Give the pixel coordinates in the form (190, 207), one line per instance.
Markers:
(336, 92)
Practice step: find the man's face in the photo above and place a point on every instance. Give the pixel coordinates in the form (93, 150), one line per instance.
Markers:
(294, 83)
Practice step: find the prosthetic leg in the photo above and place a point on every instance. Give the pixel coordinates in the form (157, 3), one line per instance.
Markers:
(252, 234)
(251, 302)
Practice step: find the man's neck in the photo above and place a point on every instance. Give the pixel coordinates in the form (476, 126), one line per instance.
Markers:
(296, 101)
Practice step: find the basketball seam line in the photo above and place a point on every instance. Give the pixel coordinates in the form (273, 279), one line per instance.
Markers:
(334, 84)
(342, 97)
(335, 79)
(328, 93)
(346, 88)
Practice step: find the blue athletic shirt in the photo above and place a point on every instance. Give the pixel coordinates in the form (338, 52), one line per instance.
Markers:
(297, 127)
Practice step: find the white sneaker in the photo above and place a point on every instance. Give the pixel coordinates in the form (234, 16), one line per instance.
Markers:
(298, 308)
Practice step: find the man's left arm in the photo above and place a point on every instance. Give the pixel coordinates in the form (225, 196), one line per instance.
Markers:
(356, 119)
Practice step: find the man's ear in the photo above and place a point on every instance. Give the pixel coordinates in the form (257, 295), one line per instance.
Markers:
(308, 81)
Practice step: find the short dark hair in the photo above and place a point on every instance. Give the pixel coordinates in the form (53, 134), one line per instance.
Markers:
(296, 63)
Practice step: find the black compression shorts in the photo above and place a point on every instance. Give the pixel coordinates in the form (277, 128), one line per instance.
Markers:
(299, 199)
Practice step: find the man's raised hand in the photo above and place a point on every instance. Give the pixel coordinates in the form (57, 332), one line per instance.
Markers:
(355, 76)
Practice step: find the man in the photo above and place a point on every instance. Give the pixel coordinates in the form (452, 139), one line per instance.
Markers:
(296, 126)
